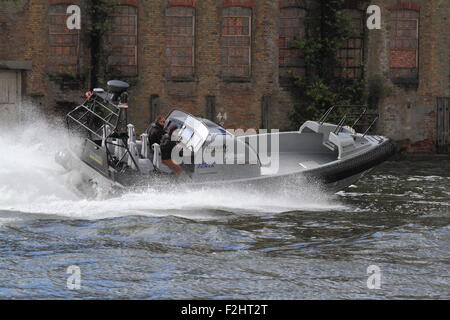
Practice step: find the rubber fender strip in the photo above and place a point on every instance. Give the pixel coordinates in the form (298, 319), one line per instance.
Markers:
(339, 171)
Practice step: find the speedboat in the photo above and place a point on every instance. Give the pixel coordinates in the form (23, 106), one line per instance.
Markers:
(110, 154)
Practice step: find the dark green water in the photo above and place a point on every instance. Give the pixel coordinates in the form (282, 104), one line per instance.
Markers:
(229, 244)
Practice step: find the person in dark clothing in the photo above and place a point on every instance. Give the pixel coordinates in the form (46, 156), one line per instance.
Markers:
(168, 143)
(156, 131)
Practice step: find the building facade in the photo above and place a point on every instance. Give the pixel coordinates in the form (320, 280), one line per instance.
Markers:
(228, 60)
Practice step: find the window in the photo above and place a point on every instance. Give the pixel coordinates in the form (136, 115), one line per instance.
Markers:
(404, 27)
(236, 43)
(63, 43)
(351, 56)
(180, 43)
(123, 41)
(292, 27)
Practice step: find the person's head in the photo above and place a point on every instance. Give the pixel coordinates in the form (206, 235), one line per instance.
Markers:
(161, 120)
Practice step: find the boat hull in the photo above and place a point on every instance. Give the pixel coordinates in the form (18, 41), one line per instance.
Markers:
(332, 177)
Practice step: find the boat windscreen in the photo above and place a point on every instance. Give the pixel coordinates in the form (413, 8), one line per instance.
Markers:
(193, 132)
(196, 131)
(214, 128)
(186, 135)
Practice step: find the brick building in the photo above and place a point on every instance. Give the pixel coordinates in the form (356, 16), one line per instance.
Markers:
(228, 57)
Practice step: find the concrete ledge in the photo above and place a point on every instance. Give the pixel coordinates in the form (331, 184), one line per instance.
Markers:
(16, 65)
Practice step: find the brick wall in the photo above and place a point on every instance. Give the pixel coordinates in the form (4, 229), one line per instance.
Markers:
(407, 108)
(240, 99)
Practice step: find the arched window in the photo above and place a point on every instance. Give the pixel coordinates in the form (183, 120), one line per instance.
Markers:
(123, 41)
(236, 42)
(351, 55)
(404, 45)
(180, 43)
(292, 27)
(64, 44)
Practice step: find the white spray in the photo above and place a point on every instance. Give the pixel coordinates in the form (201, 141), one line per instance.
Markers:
(31, 181)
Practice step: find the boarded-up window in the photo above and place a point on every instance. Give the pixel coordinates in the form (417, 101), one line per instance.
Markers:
(180, 42)
(351, 56)
(292, 28)
(404, 28)
(236, 43)
(63, 43)
(123, 41)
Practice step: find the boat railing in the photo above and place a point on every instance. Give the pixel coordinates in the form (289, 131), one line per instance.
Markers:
(116, 159)
(326, 115)
(352, 119)
(92, 116)
(101, 122)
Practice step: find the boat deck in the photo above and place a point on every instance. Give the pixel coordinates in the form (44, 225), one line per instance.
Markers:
(290, 162)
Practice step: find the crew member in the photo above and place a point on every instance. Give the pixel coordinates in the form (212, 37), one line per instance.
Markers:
(156, 130)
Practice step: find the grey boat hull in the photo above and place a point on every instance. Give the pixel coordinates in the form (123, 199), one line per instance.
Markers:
(111, 157)
(331, 177)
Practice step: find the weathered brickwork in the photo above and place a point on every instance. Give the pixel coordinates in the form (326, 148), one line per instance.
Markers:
(231, 57)
(413, 65)
(122, 41)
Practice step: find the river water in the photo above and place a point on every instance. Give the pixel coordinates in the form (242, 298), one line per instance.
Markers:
(293, 242)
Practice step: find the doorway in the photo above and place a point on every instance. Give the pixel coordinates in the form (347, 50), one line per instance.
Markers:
(10, 97)
(443, 125)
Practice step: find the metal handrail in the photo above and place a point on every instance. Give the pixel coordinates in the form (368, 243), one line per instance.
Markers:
(104, 106)
(104, 120)
(87, 128)
(85, 117)
(127, 152)
(89, 107)
(360, 117)
(328, 112)
(342, 121)
(371, 125)
(340, 125)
